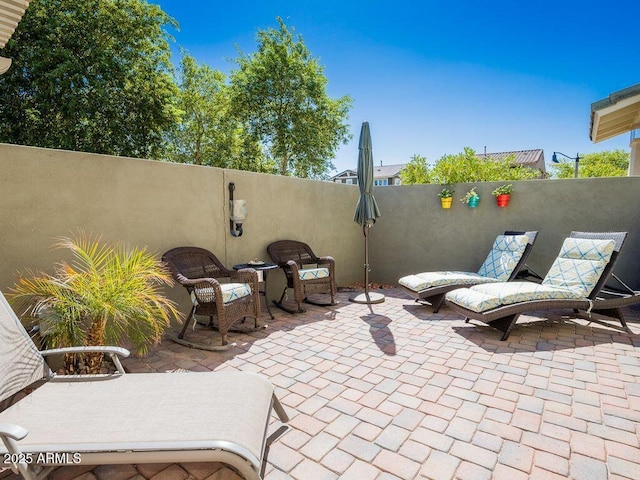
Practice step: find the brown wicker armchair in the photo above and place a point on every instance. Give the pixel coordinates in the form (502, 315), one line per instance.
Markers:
(293, 256)
(199, 271)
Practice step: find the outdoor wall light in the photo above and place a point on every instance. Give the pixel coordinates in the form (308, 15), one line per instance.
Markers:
(237, 212)
(576, 159)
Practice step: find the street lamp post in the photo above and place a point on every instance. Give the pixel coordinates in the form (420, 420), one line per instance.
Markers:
(576, 159)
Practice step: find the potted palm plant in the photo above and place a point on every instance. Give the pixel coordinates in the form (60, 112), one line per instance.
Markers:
(503, 194)
(108, 294)
(446, 197)
(471, 198)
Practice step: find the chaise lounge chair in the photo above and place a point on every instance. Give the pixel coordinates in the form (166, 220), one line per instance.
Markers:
(125, 418)
(505, 260)
(575, 280)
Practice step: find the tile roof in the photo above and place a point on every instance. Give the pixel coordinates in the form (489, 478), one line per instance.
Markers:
(523, 157)
(387, 171)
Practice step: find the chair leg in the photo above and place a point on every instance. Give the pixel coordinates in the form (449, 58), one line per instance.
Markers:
(187, 322)
(436, 302)
(505, 325)
(615, 313)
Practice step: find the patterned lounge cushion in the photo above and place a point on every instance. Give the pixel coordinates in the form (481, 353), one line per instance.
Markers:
(230, 292)
(580, 264)
(505, 254)
(311, 273)
(422, 281)
(572, 276)
(481, 298)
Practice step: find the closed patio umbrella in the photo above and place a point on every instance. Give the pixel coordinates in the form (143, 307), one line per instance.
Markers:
(366, 210)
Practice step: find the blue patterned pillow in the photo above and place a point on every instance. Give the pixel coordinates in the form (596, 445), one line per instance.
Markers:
(505, 254)
(312, 273)
(580, 264)
(230, 292)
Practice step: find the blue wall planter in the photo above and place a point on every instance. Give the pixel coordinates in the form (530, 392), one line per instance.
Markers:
(473, 202)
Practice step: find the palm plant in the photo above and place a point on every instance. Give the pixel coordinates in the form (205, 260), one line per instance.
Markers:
(106, 295)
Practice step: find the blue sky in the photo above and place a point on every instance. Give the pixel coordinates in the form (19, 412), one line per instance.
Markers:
(433, 77)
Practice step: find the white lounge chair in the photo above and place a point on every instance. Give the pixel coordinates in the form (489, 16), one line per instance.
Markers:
(126, 418)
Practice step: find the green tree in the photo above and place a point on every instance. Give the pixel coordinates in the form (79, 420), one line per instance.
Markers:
(608, 163)
(279, 94)
(416, 171)
(206, 133)
(468, 167)
(89, 75)
(464, 167)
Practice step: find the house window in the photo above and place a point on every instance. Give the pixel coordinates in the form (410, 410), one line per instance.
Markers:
(382, 181)
(349, 181)
(397, 181)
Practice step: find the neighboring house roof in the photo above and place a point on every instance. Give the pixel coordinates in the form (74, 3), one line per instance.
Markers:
(345, 174)
(522, 157)
(617, 114)
(387, 171)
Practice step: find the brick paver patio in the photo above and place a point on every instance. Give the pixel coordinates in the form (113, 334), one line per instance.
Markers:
(399, 393)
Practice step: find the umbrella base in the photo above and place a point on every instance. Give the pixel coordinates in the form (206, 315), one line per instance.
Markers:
(367, 298)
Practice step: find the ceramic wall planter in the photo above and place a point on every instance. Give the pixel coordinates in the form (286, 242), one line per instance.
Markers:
(446, 202)
(473, 201)
(503, 200)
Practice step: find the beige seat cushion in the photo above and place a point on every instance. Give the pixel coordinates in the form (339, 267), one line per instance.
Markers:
(147, 411)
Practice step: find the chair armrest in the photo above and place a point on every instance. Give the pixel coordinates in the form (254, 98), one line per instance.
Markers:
(113, 352)
(122, 352)
(10, 430)
(327, 260)
(245, 275)
(292, 265)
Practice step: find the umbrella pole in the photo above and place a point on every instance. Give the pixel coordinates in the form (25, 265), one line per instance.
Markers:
(367, 297)
(365, 230)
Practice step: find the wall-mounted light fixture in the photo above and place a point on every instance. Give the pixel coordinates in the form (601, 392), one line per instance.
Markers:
(576, 159)
(237, 212)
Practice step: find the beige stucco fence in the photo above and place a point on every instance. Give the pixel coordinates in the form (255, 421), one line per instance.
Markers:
(50, 193)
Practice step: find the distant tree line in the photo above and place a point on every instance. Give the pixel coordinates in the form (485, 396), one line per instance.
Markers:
(97, 77)
(469, 167)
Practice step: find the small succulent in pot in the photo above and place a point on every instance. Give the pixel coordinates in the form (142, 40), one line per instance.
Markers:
(503, 190)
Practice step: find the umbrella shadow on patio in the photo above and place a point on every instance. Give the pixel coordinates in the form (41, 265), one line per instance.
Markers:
(380, 332)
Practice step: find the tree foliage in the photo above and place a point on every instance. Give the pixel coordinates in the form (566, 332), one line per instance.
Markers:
(465, 167)
(279, 94)
(608, 163)
(89, 75)
(206, 133)
(416, 171)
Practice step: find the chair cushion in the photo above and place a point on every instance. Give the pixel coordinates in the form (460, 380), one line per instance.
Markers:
(580, 264)
(313, 273)
(504, 256)
(481, 298)
(573, 275)
(423, 281)
(230, 292)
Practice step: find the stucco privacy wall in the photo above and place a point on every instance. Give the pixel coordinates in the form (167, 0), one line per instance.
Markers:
(50, 193)
(415, 234)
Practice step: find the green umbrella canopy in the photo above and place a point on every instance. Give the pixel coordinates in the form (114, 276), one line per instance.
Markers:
(367, 209)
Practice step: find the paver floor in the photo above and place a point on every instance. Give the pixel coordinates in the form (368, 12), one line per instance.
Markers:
(393, 391)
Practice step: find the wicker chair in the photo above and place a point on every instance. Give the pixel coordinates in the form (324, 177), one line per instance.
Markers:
(199, 271)
(293, 256)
